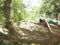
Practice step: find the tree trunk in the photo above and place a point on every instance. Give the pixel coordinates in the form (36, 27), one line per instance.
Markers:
(7, 12)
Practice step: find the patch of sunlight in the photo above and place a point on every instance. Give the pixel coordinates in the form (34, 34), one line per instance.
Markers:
(25, 37)
(25, 25)
(3, 30)
(34, 44)
(21, 32)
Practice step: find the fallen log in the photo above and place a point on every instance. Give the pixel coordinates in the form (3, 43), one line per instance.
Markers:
(34, 33)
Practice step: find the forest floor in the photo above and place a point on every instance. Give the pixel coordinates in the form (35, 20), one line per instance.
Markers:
(35, 32)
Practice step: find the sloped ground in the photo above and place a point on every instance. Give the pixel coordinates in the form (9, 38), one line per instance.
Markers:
(31, 32)
(39, 32)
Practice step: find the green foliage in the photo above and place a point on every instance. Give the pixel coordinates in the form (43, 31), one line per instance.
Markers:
(18, 10)
(35, 13)
(1, 10)
(50, 7)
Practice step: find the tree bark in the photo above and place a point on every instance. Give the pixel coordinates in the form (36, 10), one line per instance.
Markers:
(7, 14)
(7, 9)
